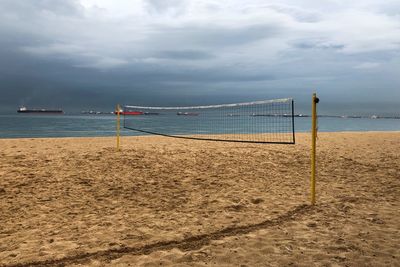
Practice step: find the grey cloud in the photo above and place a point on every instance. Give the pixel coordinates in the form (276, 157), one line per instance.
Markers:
(317, 45)
(214, 36)
(29, 9)
(300, 14)
(166, 5)
(185, 55)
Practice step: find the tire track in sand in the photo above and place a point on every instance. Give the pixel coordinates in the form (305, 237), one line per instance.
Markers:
(187, 244)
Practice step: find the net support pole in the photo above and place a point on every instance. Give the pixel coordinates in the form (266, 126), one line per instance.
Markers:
(293, 134)
(315, 101)
(118, 111)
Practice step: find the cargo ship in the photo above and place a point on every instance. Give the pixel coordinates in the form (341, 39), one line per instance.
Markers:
(40, 111)
(134, 112)
(128, 112)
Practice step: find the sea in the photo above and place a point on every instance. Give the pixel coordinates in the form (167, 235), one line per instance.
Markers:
(87, 125)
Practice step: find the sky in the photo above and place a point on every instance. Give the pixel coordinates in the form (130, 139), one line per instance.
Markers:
(93, 54)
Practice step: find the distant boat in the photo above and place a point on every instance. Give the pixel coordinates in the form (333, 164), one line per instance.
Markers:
(128, 112)
(187, 113)
(39, 111)
(93, 112)
(265, 115)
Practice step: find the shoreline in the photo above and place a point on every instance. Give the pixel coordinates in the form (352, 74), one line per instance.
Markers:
(149, 135)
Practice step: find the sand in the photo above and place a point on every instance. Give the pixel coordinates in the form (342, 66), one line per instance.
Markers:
(171, 202)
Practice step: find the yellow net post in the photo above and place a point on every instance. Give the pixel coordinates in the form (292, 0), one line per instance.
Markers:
(315, 100)
(118, 111)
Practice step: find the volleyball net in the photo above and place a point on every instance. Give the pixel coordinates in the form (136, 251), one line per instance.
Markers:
(268, 121)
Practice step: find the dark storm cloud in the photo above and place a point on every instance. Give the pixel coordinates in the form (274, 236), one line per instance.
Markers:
(92, 53)
(36, 82)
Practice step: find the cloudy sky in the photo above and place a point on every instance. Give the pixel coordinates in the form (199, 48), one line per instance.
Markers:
(79, 54)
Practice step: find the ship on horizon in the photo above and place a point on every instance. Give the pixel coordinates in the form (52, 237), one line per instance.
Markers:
(134, 112)
(23, 109)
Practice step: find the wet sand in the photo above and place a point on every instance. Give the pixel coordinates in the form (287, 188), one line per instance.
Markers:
(174, 202)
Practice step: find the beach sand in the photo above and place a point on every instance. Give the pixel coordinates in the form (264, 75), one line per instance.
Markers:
(173, 202)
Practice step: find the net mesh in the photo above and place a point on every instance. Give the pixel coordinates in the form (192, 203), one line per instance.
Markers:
(269, 121)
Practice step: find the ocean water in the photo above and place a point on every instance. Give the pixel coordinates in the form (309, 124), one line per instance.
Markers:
(30, 126)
